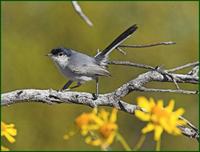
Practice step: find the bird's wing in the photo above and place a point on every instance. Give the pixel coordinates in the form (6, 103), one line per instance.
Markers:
(90, 70)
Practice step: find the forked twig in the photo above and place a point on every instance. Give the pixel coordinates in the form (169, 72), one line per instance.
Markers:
(146, 45)
(78, 9)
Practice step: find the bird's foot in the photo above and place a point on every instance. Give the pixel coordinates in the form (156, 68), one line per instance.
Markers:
(95, 96)
(63, 90)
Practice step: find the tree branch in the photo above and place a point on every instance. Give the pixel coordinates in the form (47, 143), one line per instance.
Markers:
(79, 11)
(184, 66)
(127, 63)
(112, 99)
(146, 45)
(167, 90)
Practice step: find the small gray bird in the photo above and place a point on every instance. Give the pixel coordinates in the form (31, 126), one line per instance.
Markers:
(80, 67)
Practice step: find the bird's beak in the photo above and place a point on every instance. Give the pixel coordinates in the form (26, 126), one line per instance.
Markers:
(49, 54)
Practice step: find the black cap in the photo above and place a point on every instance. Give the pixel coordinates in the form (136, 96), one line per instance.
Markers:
(60, 50)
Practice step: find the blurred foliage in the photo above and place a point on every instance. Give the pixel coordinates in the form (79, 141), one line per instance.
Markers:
(31, 29)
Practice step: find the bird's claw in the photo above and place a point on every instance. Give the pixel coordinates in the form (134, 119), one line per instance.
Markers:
(65, 90)
(95, 96)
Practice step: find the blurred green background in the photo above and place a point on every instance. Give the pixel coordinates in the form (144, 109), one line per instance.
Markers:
(31, 29)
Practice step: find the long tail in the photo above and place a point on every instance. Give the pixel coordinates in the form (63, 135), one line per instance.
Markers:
(121, 38)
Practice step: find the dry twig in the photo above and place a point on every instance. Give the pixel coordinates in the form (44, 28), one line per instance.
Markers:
(78, 9)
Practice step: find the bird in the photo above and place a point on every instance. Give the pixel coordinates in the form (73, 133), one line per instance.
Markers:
(80, 67)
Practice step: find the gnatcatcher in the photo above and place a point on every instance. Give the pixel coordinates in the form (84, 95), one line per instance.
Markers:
(80, 67)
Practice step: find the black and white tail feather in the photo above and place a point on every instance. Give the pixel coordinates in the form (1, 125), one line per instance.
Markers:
(102, 56)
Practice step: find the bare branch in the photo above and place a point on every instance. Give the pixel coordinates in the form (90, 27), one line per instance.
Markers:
(189, 132)
(195, 71)
(188, 123)
(127, 63)
(167, 90)
(55, 97)
(146, 45)
(183, 66)
(121, 51)
(78, 9)
(179, 78)
(136, 84)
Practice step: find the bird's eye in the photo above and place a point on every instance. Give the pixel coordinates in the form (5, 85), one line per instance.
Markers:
(60, 54)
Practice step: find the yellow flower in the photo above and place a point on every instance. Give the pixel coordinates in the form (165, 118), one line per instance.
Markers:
(107, 129)
(160, 118)
(8, 131)
(84, 122)
(4, 148)
(100, 128)
(68, 135)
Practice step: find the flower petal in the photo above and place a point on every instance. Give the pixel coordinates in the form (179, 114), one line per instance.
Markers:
(143, 103)
(109, 140)
(151, 102)
(166, 125)
(94, 111)
(93, 142)
(84, 132)
(160, 103)
(88, 140)
(148, 128)
(4, 148)
(12, 131)
(170, 107)
(97, 120)
(179, 112)
(181, 122)
(141, 115)
(113, 116)
(10, 138)
(104, 115)
(176, 131)
(93, 127)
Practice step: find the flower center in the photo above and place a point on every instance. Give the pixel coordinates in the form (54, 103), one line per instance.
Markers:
(160, 111)
(82, 120)
(107, 129)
